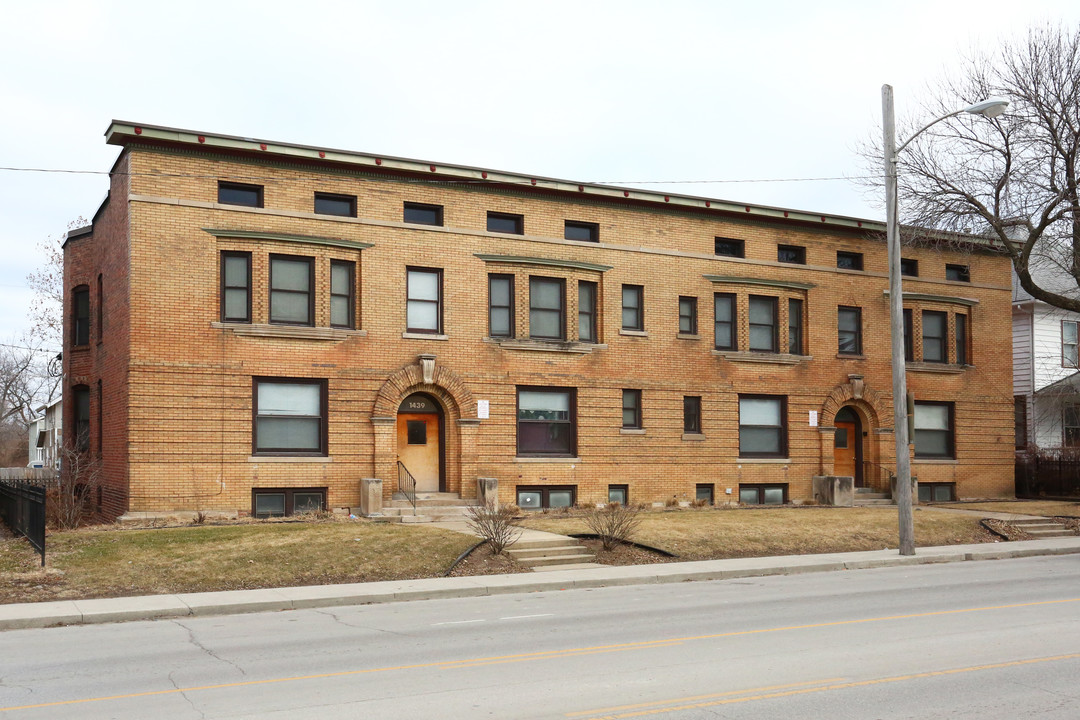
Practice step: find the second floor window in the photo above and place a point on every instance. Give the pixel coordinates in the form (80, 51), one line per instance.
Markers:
(724, 311)
(631, 408)
(909, 346)
(547, 308)
(236, 287)
(849, 330)
(633, 307)
(763, 326)
(961, 340)
(1069, 355)
(691, 413)
(423, 312)
(795, 324)
(342, 294)
(934, 326)
(80, 316)
(81, 414)
(587, 311)
(291, 296)
(501, 305)
(688, 315)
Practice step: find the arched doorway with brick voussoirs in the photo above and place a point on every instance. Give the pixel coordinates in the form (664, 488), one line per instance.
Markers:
(425, 417)
(853, 442)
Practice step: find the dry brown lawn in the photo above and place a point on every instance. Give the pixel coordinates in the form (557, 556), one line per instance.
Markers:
(117, 562)
(1046, 508)
(710, 534)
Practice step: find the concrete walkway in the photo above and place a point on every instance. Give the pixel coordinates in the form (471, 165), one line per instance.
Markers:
(72, 612)
(985, 514)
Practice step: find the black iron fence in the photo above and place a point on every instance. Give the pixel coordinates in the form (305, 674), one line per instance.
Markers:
(22, 508)
(1047, 476)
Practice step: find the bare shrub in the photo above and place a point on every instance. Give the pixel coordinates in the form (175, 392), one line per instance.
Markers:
(613, 524)
(494, 524)
(68, 504)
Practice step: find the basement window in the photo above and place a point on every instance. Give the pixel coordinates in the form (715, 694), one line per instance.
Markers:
(762, 494)
(937, 492)
(282, 502)
(553, 496)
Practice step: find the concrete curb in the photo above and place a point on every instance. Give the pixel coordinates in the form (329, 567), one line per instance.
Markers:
(150, 607)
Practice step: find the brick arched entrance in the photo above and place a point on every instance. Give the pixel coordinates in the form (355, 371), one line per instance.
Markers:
(876, 450)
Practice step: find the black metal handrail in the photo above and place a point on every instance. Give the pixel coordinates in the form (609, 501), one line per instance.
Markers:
(877, 476)
(406, 484)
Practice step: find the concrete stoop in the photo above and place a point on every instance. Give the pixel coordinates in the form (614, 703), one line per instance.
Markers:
(430, 507)
(1040, 528)
(864, 498)
(551, 554)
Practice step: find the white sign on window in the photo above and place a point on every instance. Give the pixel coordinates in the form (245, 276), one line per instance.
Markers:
(483, 409)
(813, 418)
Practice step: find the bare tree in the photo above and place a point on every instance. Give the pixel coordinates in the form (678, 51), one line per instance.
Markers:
(69, 503)
(1013, 178)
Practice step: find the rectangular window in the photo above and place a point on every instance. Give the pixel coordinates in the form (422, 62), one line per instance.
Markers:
(552, 496)
(331, 204)
(342, 294)
(934, 326)
(724, 311)
(501, 305)
(547, 308)
(633, 307)
(423, 312)
(587, 311)
(618, 494)
(100, 309)
(416, 432)
(934, 430)
(1071, 425)
(290, 417)
(727, 247)
(292, 301)
(1020, 420)
(795, 325)
(505, 223)
(584, 231)
(705, 493)
(849, 260)
(961, 340)
(81, 413)
(421, 214)
(791, 254)
(909, 267)
(688, 315)
(280, 502)
(763, 325)
(236, 287)
(909, 333)
(849, 330)
(959, 273)
(546, 423)
(100, 419)
(631, 408)
(762, 426)
(229, 193)
(937, 492)
(762, 494)
(80, 315)
(1069, 354)
(691, 414)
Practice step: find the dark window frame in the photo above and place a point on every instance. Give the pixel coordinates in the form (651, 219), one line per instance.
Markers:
(782, 437)
(415, 207)
(849, 260)
(857, 312)
(950, 453)
(80, 315)
(761, 488)
(797, 254)
(323, 416)
(589, 314)
(80, 417)
(909, 335)
(561, 282)
(692, 415)
(930, 489)
(958, 273)
(99, 310)
(590, 229)
(733, 322)
(350, 297)
(729, 247)
(509, 308)
(1066, 361)
(326, 197)
(545, 494)
(961, 334)
(795, 329)
(289, 494)
(572, 421)
(631, 403)
(639, 322)
(710, 489)
(242, 188)
(909, 267)
(225, 287)
(1070, 428)
(1020, 421)
(774, 326)
(517, 220)
(619, 487)
(409, 269)
(688, 312)
(310, 261)
(943, 339)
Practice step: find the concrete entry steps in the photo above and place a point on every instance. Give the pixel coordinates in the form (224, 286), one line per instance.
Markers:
(551, 553)
(1040, 528)
(867, 497)
(430, 507)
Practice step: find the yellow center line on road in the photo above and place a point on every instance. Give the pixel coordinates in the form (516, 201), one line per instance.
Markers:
(566, 652)
(805, 691)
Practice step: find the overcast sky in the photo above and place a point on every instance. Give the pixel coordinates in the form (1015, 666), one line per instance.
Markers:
(594, 91)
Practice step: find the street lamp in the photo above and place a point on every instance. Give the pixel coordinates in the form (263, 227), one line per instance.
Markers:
(991, 108)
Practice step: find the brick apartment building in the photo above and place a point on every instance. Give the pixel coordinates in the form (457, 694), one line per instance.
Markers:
(267, 328)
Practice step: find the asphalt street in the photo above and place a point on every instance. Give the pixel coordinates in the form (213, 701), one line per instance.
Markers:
(987, 639)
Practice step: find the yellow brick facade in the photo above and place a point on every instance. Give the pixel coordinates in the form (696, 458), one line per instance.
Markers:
(188, 377)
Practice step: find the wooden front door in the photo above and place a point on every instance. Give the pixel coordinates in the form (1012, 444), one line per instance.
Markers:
(844, 455)
(418, 448)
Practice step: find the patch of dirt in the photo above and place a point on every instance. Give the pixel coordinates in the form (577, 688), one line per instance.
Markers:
(1012, 532)
(1073, 523)
(624, 554)
(481, 562)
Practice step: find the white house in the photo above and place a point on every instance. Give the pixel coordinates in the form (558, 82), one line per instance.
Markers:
(46, 436)
(1046, 366)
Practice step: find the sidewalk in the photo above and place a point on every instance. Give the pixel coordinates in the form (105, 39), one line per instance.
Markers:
(74, 612)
